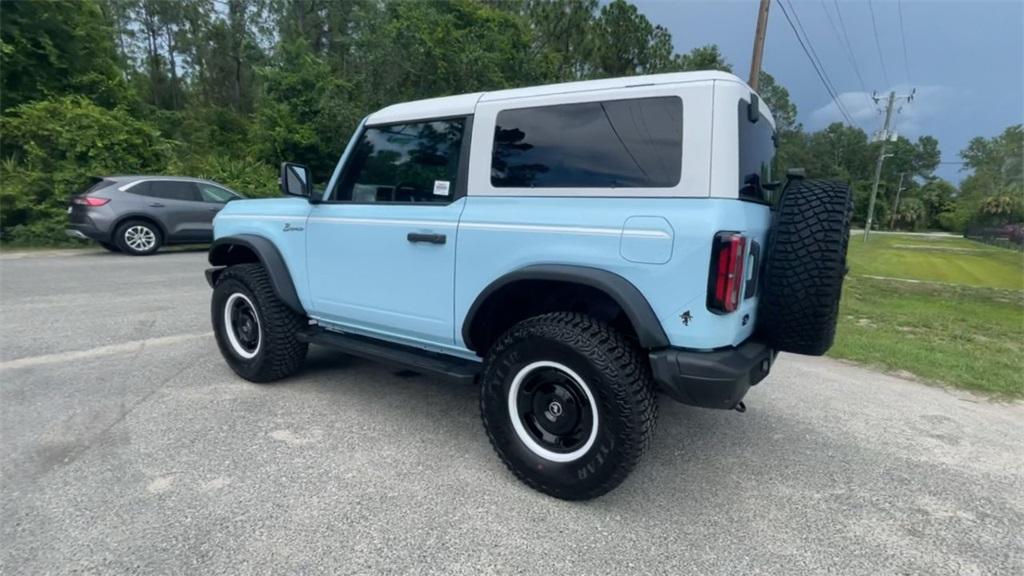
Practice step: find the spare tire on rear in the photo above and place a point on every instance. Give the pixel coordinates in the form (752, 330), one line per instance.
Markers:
(806, 264)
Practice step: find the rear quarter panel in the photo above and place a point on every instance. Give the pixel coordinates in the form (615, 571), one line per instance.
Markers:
(498, 235)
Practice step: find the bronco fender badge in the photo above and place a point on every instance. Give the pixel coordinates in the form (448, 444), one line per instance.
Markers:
(289, 228)
(686, 317)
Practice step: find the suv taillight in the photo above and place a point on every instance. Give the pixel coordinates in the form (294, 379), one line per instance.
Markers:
(725, 282)
(89, 200)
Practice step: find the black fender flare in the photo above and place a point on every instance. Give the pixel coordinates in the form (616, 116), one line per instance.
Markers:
(221, 255)
(636, 307)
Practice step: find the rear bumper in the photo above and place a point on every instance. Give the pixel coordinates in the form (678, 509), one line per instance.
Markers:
(93, 223)
(716, 379)
(86, 232)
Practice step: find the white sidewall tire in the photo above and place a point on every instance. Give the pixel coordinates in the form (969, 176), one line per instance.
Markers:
(524, 435)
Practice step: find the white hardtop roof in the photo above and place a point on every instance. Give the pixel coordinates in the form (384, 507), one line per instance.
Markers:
(464, 104)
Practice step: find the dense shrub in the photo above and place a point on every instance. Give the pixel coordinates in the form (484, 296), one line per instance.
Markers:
(52, 148)
(251, 177)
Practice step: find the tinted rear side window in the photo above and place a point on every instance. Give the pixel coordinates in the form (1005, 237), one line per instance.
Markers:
(172, 190)
(612, 144)
(757, 148)
(99, 184)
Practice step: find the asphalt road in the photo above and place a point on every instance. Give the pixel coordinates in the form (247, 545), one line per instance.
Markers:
(128, 446)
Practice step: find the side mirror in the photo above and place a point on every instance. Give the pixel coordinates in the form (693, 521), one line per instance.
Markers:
(295, 180)
(754, 109)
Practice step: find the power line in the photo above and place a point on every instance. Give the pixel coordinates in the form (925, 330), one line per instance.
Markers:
(814, 64)
(814, 53)
(878, 44)
(903, 38)
(844, 42)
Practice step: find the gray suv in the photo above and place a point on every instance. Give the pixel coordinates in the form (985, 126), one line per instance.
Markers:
(138, 214)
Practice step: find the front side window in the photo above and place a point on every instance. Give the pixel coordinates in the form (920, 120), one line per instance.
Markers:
(416, 162)
(214, 194)
(634, 143)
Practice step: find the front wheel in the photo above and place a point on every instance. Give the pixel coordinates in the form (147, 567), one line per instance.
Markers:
(255, 330)
(568, 404)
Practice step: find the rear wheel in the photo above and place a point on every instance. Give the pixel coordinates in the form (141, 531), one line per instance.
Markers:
(567, 404)
(803, 276)
(255, 330)
(138, 238)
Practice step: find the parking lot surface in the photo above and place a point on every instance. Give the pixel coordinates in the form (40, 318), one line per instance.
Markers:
(128, 446)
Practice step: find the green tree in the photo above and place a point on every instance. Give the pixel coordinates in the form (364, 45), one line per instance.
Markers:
(426, 48)
(938, 196)
(626, 43)
(994, 192)
(305, 113)
(703, 58)
(50, 48)
(561, 32)
(911, 214)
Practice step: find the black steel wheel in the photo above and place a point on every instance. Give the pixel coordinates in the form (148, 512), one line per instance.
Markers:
(553, 410)
(255, 330)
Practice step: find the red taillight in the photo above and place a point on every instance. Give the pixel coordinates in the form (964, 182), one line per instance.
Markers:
(89, 200)
(726, 282)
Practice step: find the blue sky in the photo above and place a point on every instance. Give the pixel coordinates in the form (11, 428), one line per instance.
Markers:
(966, 60)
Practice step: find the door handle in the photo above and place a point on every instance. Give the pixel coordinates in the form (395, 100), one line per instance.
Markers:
(429, 238)
(156, 205)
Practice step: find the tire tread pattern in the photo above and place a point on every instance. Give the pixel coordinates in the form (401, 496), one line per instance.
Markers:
(629, 387)
(284, 354)
(806, 266)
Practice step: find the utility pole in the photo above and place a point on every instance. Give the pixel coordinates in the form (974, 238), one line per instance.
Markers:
(759, 32)
(885, 135)
(896, 204)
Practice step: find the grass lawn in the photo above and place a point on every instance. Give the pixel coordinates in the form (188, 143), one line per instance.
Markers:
(937, 259)
(964, 325)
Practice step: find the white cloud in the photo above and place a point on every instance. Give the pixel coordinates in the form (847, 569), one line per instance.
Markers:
(911, 121)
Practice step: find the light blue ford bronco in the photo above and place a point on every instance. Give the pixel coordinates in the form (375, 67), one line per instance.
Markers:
(573, 248)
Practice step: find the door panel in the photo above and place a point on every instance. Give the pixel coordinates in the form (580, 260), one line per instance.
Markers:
(177, 205)
(366, 272)
(381, 252)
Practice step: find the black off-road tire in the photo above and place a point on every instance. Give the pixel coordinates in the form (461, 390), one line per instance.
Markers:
(616, 375)
(110, 247)
(122, 244)
(279, 353)
(805, 268)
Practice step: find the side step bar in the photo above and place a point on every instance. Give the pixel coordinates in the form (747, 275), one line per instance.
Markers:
(387, 353)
